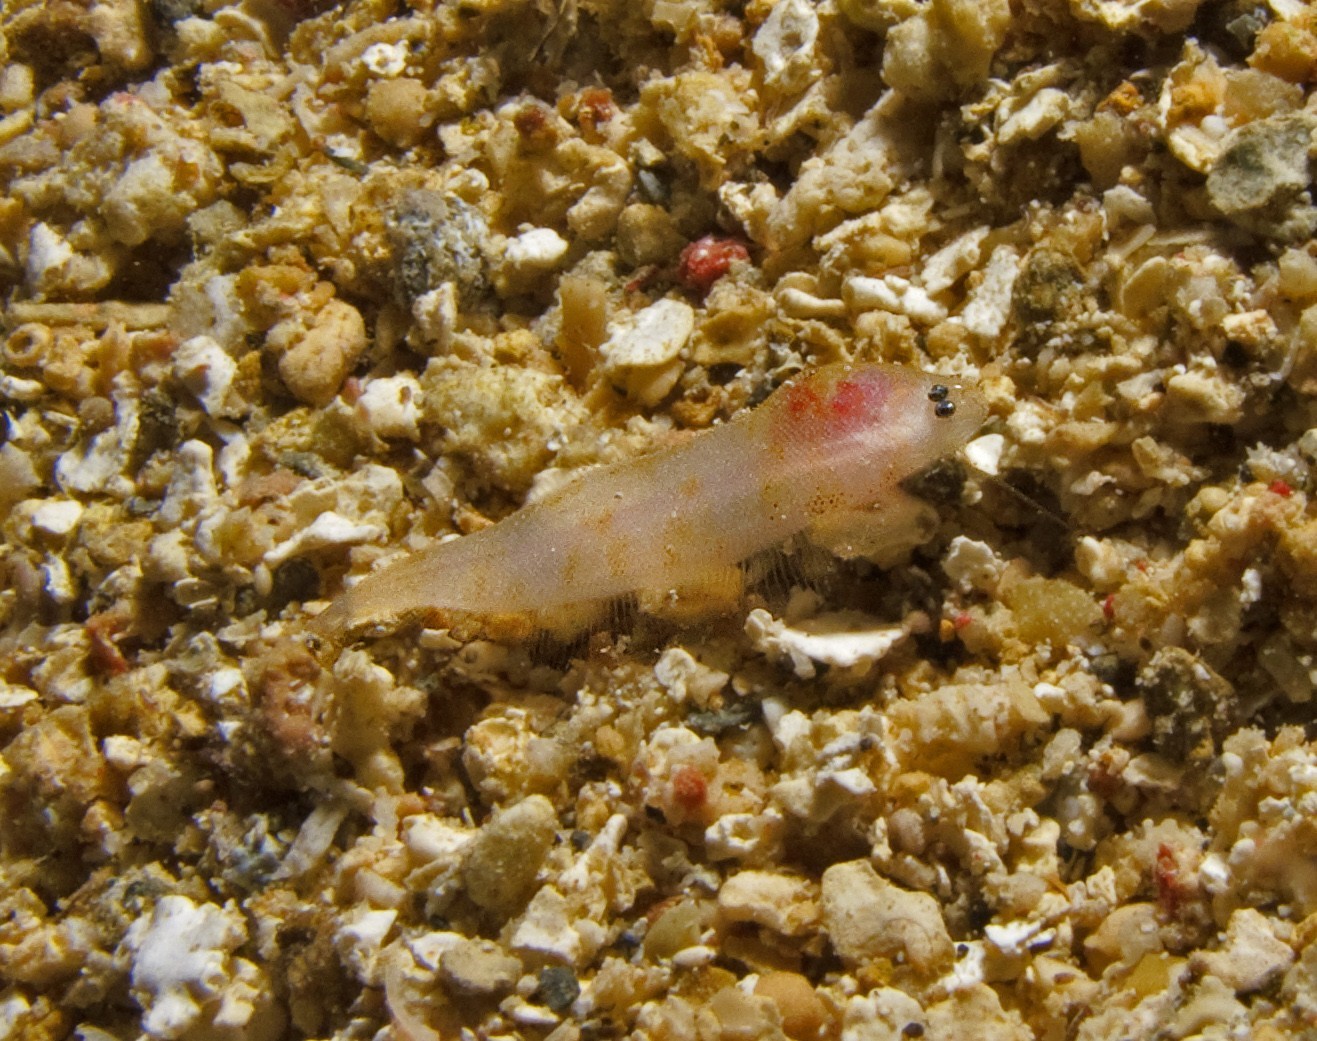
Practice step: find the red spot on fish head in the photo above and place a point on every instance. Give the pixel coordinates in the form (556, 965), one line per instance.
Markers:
(832, 410)
(802, 400)
(857, 402)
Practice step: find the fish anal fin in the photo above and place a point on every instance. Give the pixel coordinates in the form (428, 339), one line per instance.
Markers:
(882, 533)
(717, 592)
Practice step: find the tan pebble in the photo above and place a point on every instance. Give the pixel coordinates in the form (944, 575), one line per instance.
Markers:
(1153, 974)
(1251, 958)
(314, 367)
(678, 927)
(647, 235)
(1286, 50)
(972, 31)
(868, 918)
(397, 110)
(479, 967)
(1051, 609)
(505, 857)
(1298, 556)
(803, 1014)
(739, 1015)
(1125, 935)
(778, 902)
(1298, 275)
(16, 87)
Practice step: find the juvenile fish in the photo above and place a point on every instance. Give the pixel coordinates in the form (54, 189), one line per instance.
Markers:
(823, 455)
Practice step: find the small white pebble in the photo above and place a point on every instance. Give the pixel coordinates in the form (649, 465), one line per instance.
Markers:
(984, 453)
(57, 517)
(972, 564)
(537, 248)
(693, 957)
(391, 407)
(58, 582)
(122, 752)
(385, 59)
(15, 388)
(653, 336)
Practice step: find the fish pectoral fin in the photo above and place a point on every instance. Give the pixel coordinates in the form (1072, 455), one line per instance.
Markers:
(715, 592)
(882, 533)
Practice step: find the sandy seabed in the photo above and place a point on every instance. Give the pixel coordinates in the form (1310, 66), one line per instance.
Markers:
(292, 290)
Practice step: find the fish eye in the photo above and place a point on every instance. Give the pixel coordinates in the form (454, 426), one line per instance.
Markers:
(944, 409)
(938, 392)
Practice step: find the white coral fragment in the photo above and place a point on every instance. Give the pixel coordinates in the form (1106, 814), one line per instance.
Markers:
(187, 980)
(207, 370)
(892, 293)
(653, 336)
(48, 253)
(313, 840)
(56, 517)
(547, 928)
(985, 453)
(1039, 114)
(360, 941)
(150, 195)
(953, 261)
(12, 695)
(58, 582)
(99, 465)
(783, 903)
(744, 836)
(192, 492)
(972, 564)
(682, 676)
(643, 351)
(329, 529)
(1133, 16)
(1251, 958)
(386, 59)
(391, 406)
(868, 917)
(843, 639)
(536, 249)
(784, 44)
(990, 303)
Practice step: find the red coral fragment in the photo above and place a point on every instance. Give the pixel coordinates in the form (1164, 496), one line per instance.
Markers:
(706, 260)
(1171, 888)
(689, 789)
(532, 123)
(104, 630)
(595, 108)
